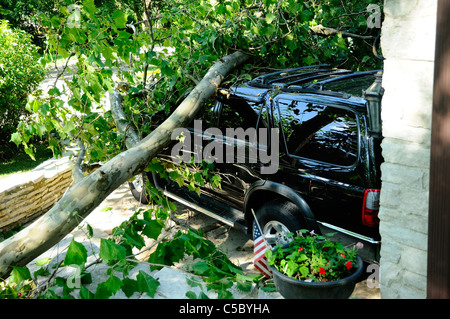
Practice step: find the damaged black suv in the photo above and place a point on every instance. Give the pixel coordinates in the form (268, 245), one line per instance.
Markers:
(307, 155)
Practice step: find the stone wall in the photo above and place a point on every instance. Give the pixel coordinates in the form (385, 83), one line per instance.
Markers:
(25, 196)
(408, 42)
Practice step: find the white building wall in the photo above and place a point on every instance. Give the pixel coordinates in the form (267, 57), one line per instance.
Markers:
(408, 43)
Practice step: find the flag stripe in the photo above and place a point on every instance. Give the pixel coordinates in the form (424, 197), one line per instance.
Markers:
(259, 252)
(262, 267)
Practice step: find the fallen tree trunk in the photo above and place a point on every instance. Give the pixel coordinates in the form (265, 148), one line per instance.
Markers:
(86, 194)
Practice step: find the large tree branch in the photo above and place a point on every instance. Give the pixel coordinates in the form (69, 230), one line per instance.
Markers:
(122, 124)
(84, 196)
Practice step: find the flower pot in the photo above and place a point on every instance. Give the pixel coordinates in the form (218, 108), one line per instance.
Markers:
(291, 288)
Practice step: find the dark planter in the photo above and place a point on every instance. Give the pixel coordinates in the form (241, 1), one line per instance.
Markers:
(291, 288)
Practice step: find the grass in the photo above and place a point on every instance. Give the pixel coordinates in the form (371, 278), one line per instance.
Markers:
(23, 163)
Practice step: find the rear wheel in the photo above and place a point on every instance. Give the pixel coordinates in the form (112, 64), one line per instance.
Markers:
(277, 219)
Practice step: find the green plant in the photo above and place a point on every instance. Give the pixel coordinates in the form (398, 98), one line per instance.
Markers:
(20, 74)
(215, 270)
(313, 257)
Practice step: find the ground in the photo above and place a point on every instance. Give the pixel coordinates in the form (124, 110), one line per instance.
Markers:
(237, 245)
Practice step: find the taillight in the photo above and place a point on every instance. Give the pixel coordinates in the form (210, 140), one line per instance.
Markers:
(371, 206)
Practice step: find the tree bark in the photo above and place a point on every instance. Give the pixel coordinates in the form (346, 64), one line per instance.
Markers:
(86, 194)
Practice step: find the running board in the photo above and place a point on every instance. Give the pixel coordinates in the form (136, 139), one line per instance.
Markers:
(228, 215)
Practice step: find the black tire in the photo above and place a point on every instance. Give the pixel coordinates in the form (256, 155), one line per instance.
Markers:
(138, 189)
(277, 218)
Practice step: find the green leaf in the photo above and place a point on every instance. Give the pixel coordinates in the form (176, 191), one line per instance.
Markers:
(120, 19)
(147, 284)
(45, 108)
(107, 52)
(19, 274)
(114, 283)
(309, 60)
(89, 5)
(202, 295)
(90, 230)
(191, 295)
(103, 291)
(270, 17)
(41, 272)
(152, 229)
(304, 271)
(200, 268)
(16, 138)
(130, 286)
(110, 251)
(68, 127)
(86, 293)
(43, 261)
(76, 254)
(193, 282)
(167, 253)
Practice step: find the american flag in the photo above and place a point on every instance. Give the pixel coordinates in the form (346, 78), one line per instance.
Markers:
(260, 246)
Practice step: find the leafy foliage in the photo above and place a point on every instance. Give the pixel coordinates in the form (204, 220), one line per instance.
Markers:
(218, 271)
(20, 74)
(313, 257)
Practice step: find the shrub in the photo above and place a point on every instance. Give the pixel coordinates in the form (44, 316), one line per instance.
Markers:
(20, 74)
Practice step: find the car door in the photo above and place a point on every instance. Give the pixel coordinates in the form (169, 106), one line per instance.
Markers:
(239, 124)
(321, 143)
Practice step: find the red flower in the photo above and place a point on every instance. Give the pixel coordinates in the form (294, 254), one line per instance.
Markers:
(343, 256)
(348, 264)
(301, 248)
(322, 271)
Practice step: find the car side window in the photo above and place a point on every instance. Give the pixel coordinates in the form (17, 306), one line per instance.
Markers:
(318, 132)
(239, 113)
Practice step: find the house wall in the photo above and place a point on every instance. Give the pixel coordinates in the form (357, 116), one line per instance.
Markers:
(408, 43)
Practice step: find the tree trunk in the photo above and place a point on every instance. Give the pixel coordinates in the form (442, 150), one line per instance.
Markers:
(85, 195)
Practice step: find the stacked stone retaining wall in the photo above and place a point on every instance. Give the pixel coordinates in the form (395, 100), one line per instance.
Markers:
(25, 196)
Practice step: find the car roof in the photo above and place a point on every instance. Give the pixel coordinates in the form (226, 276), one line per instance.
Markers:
(316, 79)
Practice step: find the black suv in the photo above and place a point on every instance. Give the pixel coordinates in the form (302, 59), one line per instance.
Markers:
(325, 175)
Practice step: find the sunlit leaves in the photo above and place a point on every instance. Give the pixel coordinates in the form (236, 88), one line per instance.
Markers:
(20, 274)
(120, 19)
(110, 251)
(147, 284)
(76, 254)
